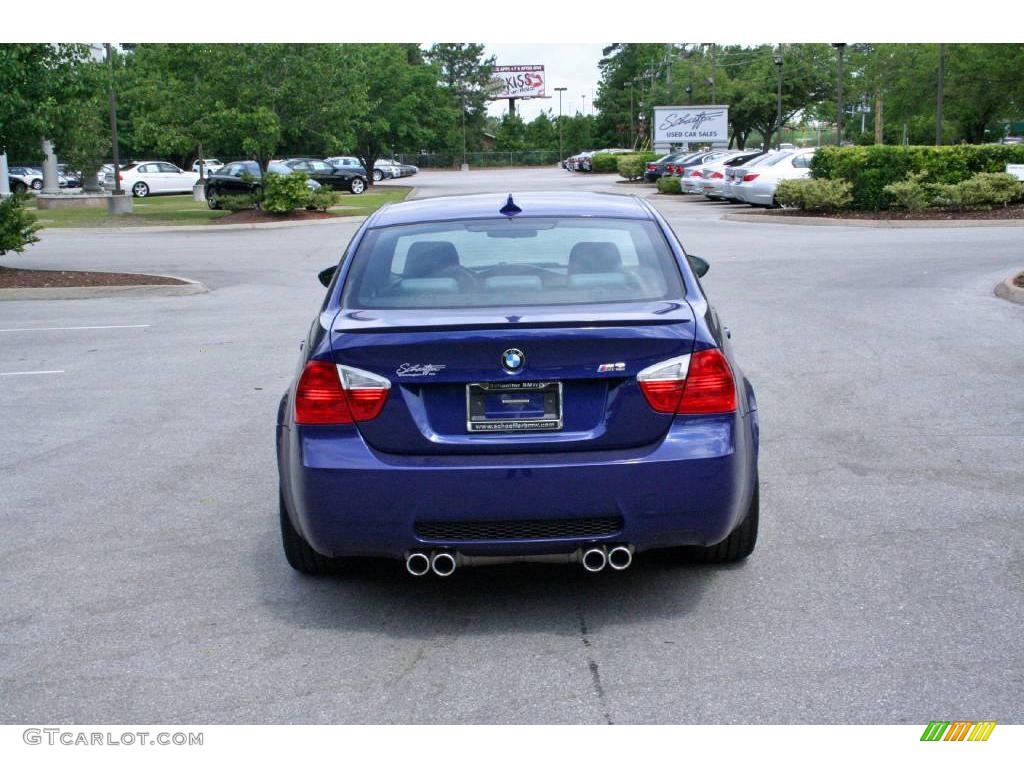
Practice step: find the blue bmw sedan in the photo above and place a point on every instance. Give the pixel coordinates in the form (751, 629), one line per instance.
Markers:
(537, 376)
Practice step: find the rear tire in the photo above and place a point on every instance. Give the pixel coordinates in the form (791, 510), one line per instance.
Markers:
(302, 557)
(737, 545)
(140, 189)
(211, 200)
(357, 186)
(378, 174)
(37, 184)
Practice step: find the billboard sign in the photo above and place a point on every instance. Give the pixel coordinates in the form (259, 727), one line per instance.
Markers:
(693, 125)
(519, 82)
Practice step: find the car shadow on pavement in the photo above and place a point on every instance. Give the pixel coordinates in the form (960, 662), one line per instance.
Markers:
(378, 596)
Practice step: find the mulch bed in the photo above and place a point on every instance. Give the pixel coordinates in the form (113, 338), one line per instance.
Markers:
(256, 216)
(928, 214)
(11, 277)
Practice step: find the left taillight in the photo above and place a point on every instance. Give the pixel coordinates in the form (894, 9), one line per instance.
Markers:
(338, 394)
(700, 383)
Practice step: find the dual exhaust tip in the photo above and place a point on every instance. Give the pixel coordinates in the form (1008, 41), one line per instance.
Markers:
(420, 564)
(594, 560)
(618, 558)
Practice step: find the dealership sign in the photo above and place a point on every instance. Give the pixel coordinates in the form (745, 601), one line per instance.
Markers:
(519, 82)
(680, 125)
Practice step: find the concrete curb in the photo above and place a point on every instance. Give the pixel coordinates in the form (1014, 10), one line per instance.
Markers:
(199, 227)
(190, 288)
(814, 221)
(1007, 290)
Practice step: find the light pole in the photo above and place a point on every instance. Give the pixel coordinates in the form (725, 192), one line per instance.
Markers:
(560, 91)
(777, 58)
(840, 48)
(584, 97)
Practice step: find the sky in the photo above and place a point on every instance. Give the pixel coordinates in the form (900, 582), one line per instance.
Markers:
(573, 66)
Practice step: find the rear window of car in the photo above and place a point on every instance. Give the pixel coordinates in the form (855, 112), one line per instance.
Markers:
(512, 263)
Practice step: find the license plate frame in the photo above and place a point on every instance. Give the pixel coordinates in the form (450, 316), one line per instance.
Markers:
(478, 422)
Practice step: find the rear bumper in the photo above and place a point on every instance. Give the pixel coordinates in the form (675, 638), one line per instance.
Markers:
(347, 499)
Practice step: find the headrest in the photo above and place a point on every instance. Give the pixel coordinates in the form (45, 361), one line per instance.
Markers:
(429, 258)
(590, 257)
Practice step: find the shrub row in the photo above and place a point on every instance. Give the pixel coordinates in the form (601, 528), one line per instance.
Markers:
(670, 185)
(814, 194)
(607, 162)
(982, 190)
(869, 170)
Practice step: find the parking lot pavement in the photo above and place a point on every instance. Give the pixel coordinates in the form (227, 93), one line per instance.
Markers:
(143, 579)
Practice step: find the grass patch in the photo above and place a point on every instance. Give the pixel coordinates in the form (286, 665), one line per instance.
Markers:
(169, 210)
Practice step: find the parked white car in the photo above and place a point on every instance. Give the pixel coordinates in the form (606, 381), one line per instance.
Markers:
(759, 183)
(153, 177)
(22, 178)
(212, 165)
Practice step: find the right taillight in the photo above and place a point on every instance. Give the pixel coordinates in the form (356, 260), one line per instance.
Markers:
(750, 177)
(652, 167)
(338, 394)
(700, 383)
(715, 175)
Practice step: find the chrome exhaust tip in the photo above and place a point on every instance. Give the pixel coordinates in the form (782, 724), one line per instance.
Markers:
(417, 563)
(620, 558)
(442, 564)
(594, 560)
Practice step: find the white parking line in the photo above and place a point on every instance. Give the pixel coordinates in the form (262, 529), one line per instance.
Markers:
(73, 328)
(28, 373)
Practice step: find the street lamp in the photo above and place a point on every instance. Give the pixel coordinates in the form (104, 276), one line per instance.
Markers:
(840, 48)
(584, 97)
(777, 58)
(560, 90)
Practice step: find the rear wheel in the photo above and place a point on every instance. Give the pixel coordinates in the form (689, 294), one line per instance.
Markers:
(378, 174)
(740, 543)
(357, 186)
(737, 545)
(37, 184)
(211, 200)
(140, 189)
(301, 556)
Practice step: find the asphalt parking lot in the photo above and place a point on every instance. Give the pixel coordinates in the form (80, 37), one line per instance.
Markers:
(143, 579)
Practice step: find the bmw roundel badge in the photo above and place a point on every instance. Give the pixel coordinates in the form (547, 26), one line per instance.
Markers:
(513, 360)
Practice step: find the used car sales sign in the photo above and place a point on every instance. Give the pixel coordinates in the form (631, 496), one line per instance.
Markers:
(676, 125)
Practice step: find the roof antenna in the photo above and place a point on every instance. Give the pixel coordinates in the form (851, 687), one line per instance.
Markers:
(510, 208)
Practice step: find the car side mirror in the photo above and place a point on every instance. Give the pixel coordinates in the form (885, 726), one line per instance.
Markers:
(698, 265)
(326, 275)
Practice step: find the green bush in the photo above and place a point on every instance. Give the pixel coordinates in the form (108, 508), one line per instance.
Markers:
(911, 194)
(814, 194)
(790, 193)
(323, 198)
(983, 190)
(669, 185)
(870, 169)
(285, 193)
(236, 202)
(631, 167)
(605, 162)
(17, 225)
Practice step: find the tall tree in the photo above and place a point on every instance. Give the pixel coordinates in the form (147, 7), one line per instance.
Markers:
(405, 108)
(466, 74)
